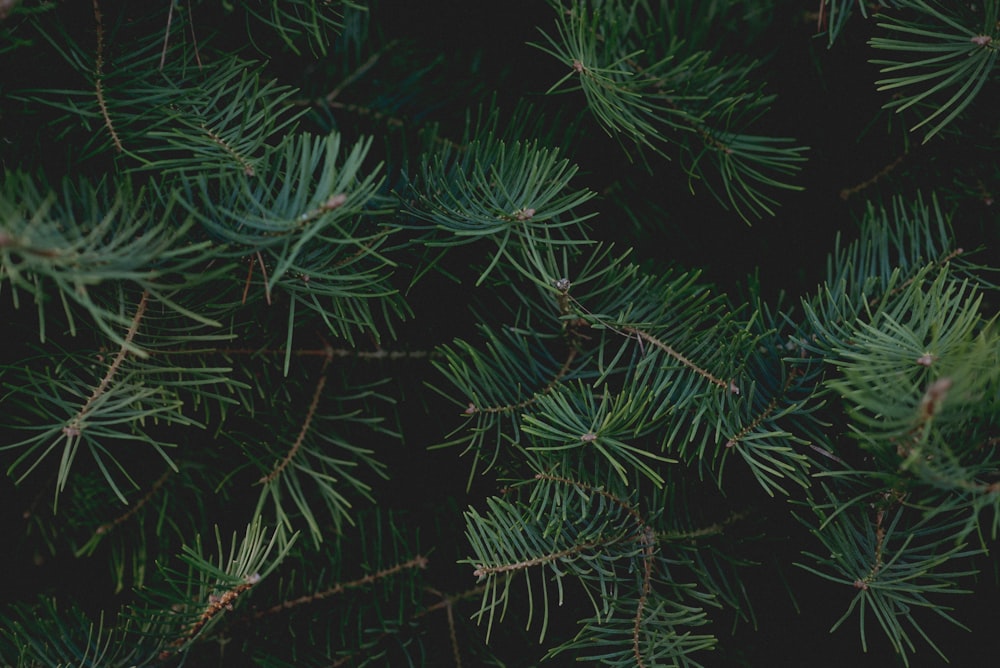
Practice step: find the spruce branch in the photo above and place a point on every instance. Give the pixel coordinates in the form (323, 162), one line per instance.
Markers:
(655, 90)
(76, 423)
(418, 562)
(212, 586)
(136, 507)
(898, 569)
(657, 343)
(310, 413)
(850, 191)
(99, 75)
(948, 52)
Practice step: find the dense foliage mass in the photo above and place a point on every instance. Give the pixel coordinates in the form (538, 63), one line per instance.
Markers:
(622, 332)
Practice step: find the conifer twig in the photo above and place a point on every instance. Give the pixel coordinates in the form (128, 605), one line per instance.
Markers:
(484, 571)
(134, 510)
(240, 159)
(877, 565)
(417, 562)
(449, 611)
(766, 412)
(590, 489)
(99, 75)
(846, 193)
(310, 414)
(472, 409)
(657, 343)
(447, 600)
(648, 544)
(216, 605)
(75, 424)
(359, 72)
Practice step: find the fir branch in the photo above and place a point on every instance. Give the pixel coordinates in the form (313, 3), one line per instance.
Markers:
(772, 405)
(714, 529)
(847, 192)
(138, 506)
(214, 606)
(947, 59)
(99, 76)
(306, 422)
(446, 603)
(417, 562)
(489, 571)
(590, 489)
(75, 425)
(452, 635)
(648, 539)
(549, 387)
(359, 72)
(878, 557)
(247, 166)
(657, 343)
(941, 262)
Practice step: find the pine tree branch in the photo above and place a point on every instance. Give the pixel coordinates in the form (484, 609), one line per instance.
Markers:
(134, 510)
(75, 426)
(590, 489)
(229, 150)
(573, 550)
(417, 562)
(714, 529)
(452, 635)
(648, 539)
(215, 606)
(307, 421)
(905, 285)
(99, 76)
(878, 558)
(847, 192)
(567, 364)
(359, 72)
(446, 602)
(657, 343)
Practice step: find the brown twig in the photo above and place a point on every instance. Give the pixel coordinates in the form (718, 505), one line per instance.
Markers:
(418, 561)
(656, 343)
(862, 583)
(448, 608)
(648, 546)
(194, 38)
(243, 162)
(76, 424)
(472, 409)
(310, 414)
(359, 72)
(99, 75)
(131, 512)
(483, 571)
(711, 530)
(217, 604)
(166, 35)
(846, 193)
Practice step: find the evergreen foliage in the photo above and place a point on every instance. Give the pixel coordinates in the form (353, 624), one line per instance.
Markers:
(338, 334)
